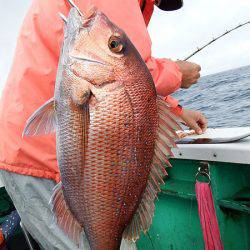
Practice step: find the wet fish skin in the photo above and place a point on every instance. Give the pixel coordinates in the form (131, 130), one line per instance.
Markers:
(113, 134)
(107, 120)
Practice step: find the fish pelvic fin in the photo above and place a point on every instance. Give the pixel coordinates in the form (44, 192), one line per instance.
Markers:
(43, 120)
(165, 141)
(63, 216)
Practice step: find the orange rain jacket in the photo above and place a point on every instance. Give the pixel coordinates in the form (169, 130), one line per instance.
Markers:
(32, 77)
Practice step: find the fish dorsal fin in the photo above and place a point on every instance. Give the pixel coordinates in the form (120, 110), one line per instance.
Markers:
(166, 135)
(63, 216)
(42, 121)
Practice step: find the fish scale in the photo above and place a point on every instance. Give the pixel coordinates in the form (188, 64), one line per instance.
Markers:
(70, 154)
(113, 201)
(113, 134)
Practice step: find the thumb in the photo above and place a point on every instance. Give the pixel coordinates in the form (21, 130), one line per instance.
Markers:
(194, 125)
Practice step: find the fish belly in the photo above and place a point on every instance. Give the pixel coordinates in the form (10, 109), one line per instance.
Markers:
(105, 173)
(116, 171)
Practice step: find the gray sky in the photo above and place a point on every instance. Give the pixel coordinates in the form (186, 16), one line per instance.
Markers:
(174, 34)
(181, 32)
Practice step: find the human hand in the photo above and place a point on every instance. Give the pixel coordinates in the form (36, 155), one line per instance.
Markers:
(194, 120)
(190, 73)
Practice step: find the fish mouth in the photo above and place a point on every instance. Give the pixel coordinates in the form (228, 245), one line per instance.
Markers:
(85, 59)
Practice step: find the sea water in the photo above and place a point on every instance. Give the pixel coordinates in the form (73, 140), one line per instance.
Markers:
(224, 98)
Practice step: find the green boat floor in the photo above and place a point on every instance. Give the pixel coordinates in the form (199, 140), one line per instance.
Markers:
(179, 188)
(176, 223)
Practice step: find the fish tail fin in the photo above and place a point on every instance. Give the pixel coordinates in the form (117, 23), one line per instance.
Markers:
(63, 216)
(165, 141)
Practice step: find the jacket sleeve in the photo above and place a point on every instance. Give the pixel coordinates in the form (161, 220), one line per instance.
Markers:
(166, 75)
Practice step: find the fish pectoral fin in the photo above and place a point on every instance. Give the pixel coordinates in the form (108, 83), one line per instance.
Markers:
(165, 141)
(42, 121)
(80, 93)
(63, 216)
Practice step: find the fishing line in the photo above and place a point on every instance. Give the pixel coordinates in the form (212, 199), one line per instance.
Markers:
(215, 39)
(149, 237)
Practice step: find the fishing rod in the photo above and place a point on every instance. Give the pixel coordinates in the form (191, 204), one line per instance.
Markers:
(215, 39)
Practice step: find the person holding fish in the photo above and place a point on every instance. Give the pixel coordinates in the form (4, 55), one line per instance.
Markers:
(91, 70)
(169, 75)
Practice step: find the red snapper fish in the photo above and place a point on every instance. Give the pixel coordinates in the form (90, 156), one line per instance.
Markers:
(113, 134)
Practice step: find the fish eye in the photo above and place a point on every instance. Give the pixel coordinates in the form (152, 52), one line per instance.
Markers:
(116, 45)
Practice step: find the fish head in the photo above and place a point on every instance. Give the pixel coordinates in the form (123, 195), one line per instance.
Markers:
(100, 52)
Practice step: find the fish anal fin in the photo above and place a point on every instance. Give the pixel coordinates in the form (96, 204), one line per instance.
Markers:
(43, 120)
(63, 216)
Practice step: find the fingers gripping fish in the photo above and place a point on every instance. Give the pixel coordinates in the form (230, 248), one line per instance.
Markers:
(113, 134)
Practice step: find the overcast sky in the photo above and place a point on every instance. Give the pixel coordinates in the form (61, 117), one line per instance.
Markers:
(174, 34)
